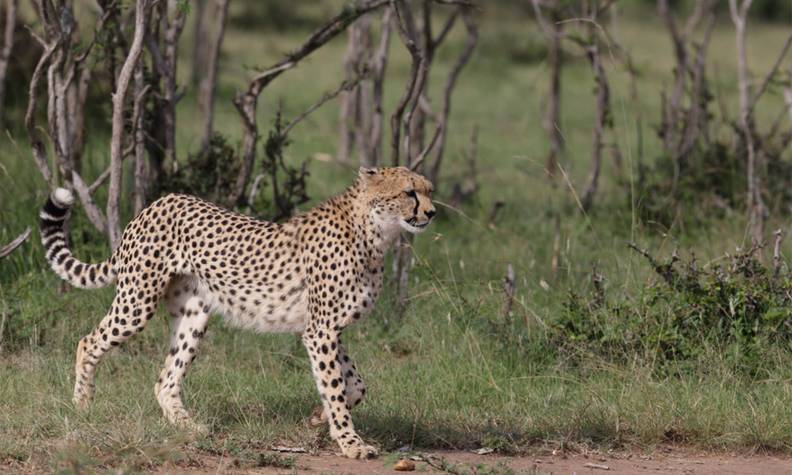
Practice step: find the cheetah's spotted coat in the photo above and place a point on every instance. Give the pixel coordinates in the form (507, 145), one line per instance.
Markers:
(312, 275)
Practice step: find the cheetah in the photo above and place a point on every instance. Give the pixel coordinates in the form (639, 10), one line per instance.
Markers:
(313, 275)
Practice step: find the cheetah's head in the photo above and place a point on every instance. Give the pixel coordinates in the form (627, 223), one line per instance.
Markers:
(399, 199)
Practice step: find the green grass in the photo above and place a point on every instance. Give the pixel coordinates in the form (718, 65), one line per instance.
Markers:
(447, 375)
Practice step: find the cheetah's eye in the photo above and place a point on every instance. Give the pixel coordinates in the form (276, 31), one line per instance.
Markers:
(410, 193)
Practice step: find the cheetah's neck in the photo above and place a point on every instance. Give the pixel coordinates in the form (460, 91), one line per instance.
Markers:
(376, 238)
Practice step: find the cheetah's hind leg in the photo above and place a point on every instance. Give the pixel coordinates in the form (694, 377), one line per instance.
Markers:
(127, 316)
(189, 312)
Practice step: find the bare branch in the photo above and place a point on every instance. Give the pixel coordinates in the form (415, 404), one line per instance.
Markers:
(770, 74)
(779, 236)
(453, 75)
(421, 156)
(117, 135)
(552, 120)
(508, 292)
(37, 145)
(406, 29)
(93, 212)
(9, 248)
(447, 27)
(246, 102)
(344, 86)
(603, 110)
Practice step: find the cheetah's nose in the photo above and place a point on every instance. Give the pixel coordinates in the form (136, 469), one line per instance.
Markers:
(429, 214)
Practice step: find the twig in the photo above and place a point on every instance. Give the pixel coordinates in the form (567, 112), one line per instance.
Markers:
(779, 236)
(406, 29)
(597, 466)
(421, 156)
(556, 245)
(770, 74)
(346, 85)
(451, 80)
(37, 145)
(666, 271)
(254, 188)
(9, 248)
(603, 112)
(494, 211)
(508, 292)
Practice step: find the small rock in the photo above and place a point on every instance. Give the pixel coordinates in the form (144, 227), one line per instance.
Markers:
(484, 451)
(404, 465)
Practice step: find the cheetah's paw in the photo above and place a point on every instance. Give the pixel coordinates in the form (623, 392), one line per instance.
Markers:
(359, 450)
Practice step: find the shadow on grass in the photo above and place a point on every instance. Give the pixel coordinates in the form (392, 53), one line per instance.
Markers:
(396, 431)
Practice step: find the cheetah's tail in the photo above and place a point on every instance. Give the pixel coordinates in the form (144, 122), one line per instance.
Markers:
(53, 236)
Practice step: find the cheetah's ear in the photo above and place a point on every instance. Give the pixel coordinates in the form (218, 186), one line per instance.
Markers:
(364, 174)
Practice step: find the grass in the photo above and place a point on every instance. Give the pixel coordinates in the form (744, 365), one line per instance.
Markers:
(448, 375)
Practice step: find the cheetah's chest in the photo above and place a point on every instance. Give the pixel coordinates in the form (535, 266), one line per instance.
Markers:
(363, 297)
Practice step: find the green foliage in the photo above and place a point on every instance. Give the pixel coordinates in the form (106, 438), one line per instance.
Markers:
(710, 182)
(210, 175)
(741, 309)
(287, 183)
(772, 10)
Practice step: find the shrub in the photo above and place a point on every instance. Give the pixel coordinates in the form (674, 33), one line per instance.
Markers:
(210, 175)
(710, 182)
(741, 310)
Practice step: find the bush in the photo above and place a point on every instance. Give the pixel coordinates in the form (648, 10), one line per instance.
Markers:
(210, 175)
(711, 181)
(741, 310)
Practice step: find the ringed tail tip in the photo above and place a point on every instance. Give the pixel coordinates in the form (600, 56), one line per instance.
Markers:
(63, 197)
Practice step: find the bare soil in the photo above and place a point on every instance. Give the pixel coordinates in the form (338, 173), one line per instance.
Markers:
(668, 461)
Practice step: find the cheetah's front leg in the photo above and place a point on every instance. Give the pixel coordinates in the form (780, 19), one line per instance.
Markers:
(355, 388)
(323, 349)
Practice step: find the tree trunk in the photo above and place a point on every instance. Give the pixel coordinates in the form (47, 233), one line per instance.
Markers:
(175, 24)
(5, 52)
(378, 66)
(755, 205)
(552, 121)
(603, 107)
(117, 135)
(352, 103)
(209, 83)
(140, 175)
(200, 43)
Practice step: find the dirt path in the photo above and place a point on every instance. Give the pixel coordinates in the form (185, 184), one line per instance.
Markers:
(666, 462)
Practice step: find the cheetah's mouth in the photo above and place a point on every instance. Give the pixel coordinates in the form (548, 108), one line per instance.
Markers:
(413, 226)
